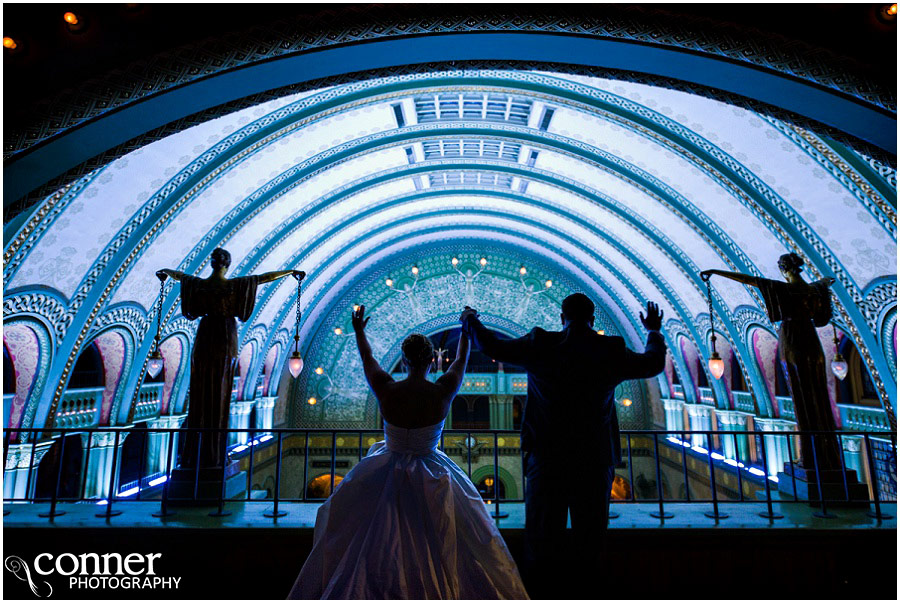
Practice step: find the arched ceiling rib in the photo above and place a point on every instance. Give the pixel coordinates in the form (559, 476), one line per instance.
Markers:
(628, 188)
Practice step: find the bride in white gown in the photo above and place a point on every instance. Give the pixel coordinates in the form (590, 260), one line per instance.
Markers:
(406, 522)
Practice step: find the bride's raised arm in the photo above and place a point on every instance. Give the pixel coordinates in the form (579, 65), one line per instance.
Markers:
(452, 379)
(375, 375)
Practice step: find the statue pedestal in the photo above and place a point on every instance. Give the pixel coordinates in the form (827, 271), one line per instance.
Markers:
(209, 485)
(833, 490)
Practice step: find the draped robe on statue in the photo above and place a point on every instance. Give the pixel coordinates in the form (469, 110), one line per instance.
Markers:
(213, 359)
(801, 308)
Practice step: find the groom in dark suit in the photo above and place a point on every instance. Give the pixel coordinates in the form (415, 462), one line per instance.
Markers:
(570, 436)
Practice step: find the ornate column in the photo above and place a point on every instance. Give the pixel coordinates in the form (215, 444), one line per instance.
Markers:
(501, 411)
(15, 473)
(777, 452)
(853, 456)
(239, 419)
(158, 443)
(700, 419)
(265, 412)
(100, 463)
(735, 447)
(674, 414)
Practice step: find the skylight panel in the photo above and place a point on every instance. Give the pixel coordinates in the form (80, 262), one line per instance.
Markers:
(474, 106)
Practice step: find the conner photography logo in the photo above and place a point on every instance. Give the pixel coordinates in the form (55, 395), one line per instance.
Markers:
(90, 571)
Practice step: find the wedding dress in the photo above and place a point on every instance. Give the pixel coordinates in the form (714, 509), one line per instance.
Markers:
(407, 523)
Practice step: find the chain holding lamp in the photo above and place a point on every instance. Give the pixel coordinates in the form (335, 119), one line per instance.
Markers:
(295, 363)
(716, 364)
(156, 361)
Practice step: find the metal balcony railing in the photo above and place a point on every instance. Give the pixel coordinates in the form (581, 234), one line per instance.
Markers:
(645, 452)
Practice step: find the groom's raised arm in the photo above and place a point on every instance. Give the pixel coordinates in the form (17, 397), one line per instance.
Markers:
(653, 360)
(513, 351)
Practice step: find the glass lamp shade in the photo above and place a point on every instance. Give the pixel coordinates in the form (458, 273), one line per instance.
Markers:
(839, 366)
(626, 402)
(295, 364)
(716, 366)
(156, 364)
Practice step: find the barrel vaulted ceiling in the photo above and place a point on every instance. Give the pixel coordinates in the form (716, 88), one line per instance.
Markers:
(618, 187)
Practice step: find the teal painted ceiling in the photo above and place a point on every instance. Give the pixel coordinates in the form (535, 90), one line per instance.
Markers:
(623, 190)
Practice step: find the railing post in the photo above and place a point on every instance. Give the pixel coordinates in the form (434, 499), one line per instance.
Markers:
(30, 466)
(662, 514)
(497, 514)
(275, 513)
(469, 450)
(112, 482)
(86, 464)
(250, 468)
(712, 485)
(873, 478)
(769, 513)
(305, 465)
(164, 504)
(223, 438)
(62, 452)
(824, 512)
(737, 459)
(790, 449)
(630, 465)
(6, 437)
(197, 464)
(333, 460)
(687, 484)
(142, 466)
(843, 465)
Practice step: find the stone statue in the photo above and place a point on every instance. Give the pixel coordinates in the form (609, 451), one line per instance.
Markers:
(801, 307)
(217, 301)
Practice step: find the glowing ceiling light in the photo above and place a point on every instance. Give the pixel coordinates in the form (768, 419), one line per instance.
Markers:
(454, 261)
(338, 331)
(483, 261)
(312, 401)
(839, 365)
(356, 307)
(891, 10)
(295, 364)
(415, 270)
(601, 332)
(155, 364)
(389, 282)
(716, 365)
(523, 271)
(548, 284)
(71, 18)
(626, 402)
(9, 43)
(319, 370)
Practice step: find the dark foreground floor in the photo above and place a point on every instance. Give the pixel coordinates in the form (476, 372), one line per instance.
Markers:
(247, 556)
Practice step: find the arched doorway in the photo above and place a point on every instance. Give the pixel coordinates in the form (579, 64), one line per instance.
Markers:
(62, 462)
(489, 488)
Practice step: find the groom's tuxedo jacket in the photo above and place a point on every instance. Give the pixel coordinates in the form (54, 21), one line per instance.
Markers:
(572, 376)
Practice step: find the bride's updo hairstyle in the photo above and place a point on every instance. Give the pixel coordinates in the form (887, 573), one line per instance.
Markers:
(417, 351)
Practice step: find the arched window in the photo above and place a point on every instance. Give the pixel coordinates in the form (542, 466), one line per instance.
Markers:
(471, 412)
(88, 371)
(857, 387)
(737, 375)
